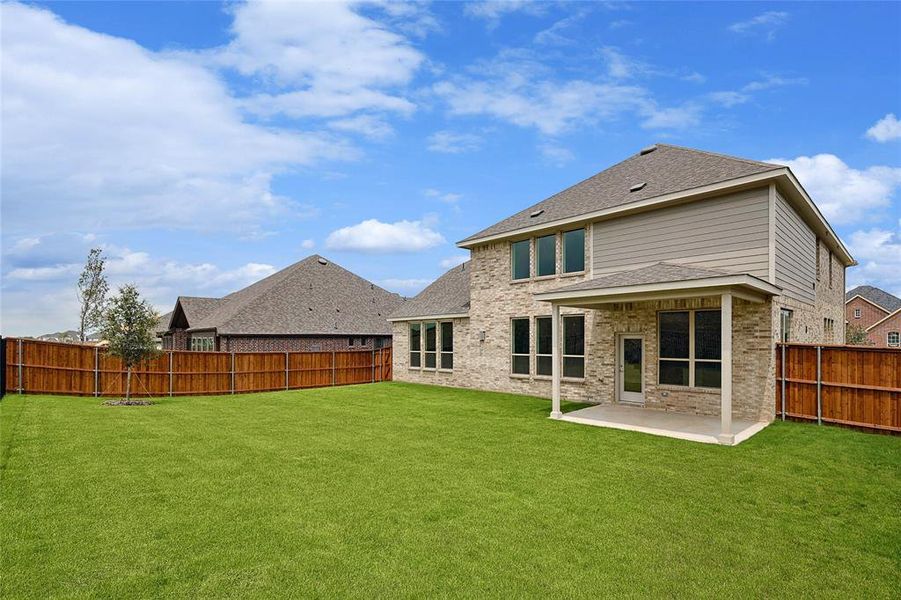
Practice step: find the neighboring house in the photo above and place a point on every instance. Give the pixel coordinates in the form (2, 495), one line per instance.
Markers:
(666, 280)
(877, 312)
(313, 305)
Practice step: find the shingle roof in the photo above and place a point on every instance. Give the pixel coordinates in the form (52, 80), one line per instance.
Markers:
(447, 295)
(890, 302)
(666, 170)
(657, 273)
(196, 308)
(313, 296)
(162, 326)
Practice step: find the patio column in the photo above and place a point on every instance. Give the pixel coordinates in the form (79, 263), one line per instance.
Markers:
(726, 436)
(555, 362)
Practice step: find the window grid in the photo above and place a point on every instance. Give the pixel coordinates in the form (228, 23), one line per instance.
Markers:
(692, 361)
(856, 313)
(893, 338)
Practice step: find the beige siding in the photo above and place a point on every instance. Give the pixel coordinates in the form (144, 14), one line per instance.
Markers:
(729, 233)
(796, 247)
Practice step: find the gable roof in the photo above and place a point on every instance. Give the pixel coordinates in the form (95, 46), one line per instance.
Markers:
(881, 298)
(888, 317)
(311, 297)
(447, 295)
(162, 326)
(664, 170)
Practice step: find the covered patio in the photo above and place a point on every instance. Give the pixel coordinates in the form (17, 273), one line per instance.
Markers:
(666, 282)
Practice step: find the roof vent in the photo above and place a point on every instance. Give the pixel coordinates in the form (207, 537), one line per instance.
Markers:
(322, 261)
(647, 150)
(538, 212)
(638, 186)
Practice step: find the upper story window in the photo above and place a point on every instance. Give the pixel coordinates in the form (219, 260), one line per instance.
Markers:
(830, 269)
(856, 313)
(574, 251)
(521, 259)
(546, 259)
(893, 338)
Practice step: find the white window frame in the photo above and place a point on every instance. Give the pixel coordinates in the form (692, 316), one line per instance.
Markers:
(562, 341)
(563, 270)
(513, 354)
(417, 350)
(440, 345)
(203, 343)
(537, 355)
(888, 339)
(692, 360)
(857, 313)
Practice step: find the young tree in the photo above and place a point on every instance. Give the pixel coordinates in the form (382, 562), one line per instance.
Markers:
(128, 325)
(91, 290)
(856, 335)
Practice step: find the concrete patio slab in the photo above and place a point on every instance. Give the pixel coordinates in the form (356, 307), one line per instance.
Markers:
(694, 428)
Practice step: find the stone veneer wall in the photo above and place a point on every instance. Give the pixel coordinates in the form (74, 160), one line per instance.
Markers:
(807, 319)
(495, 300)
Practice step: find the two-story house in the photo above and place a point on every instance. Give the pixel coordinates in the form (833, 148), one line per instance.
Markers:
(662, 282)
(877, 313)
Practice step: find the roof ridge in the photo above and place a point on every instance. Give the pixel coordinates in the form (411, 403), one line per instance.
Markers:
(721, 155)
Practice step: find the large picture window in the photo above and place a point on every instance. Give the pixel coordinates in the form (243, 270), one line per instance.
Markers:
(574, 251)
(203, 343)
(447, 345)
(543, 346)
(431, 340)
(574, 346)
(690, 348)
(546, 247)
(416, 345)
(521, 259)
(520, 346)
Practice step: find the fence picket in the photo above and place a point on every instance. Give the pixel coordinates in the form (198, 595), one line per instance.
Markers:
(80, 370)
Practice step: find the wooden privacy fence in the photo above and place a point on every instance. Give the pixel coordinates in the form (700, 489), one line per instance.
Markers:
(40, 367)
(849, 385)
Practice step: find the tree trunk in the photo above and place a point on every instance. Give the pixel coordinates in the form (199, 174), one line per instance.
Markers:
(128, 385)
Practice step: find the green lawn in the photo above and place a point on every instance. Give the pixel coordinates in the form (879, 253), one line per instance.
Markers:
(400, 490)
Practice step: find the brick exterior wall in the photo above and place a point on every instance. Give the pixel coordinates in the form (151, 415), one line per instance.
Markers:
(181, 340)
(869, 313)
(298, 343)
(879, 335)
(808, 320)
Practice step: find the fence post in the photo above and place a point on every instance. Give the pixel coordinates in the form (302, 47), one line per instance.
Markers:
(819, 385)
(333, 367)
(171, 352)
(96, 371)
(286, 370)
(19, 350)
(783, 381)
(372, 364)
(233, 372)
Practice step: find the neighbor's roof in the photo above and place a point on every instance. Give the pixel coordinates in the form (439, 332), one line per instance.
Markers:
(313, 296)
(660, 276)
(666, 169)
(447, 295)
(880, 298)
(162, 326)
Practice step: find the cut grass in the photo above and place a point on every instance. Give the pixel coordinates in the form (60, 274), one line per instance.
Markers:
(402, 490)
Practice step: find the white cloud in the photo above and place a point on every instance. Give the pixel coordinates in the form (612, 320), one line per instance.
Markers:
(555, 154)
(844, 194)
(323, 59)
(679, 117)
(450, 142)
(773, 81)
(728, 98)
(405, 286)
(620, 66)
(879, 253)
(374, 236)
(446, 197)
(766, 23)
(453, 261)
(367, 125)
(553, 35)
(39, 287)
(100, 132)
(886, 129)
(308, 244)
(493, 10)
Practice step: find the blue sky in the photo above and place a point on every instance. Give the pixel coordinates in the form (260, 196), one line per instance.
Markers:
(206, 145)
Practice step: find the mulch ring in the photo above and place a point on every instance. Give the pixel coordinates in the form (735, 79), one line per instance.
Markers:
(127, 403)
